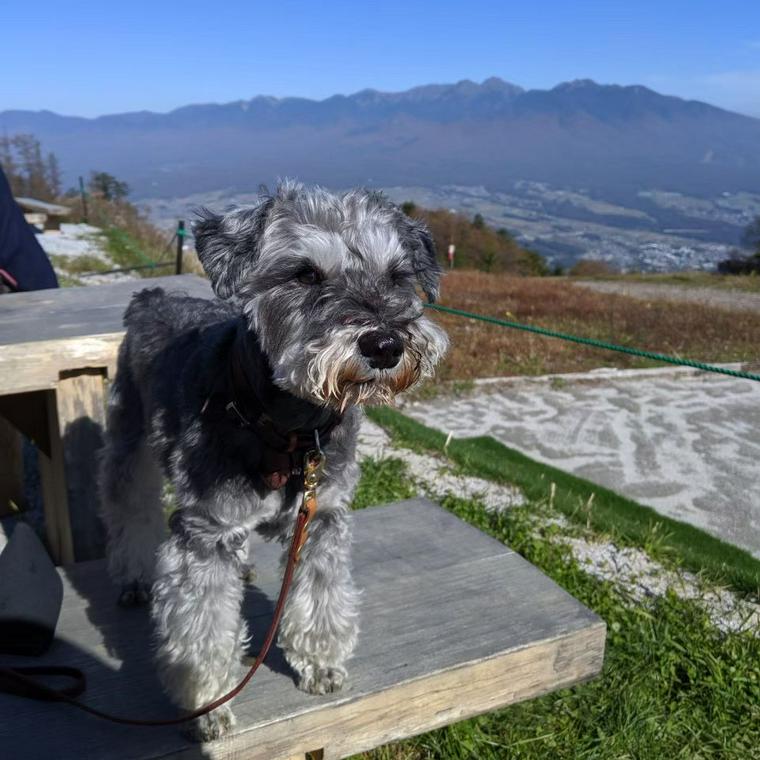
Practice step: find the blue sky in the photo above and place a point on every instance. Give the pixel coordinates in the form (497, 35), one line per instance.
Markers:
(90, 58)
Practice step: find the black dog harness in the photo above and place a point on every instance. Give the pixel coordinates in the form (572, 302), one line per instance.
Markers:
(253, 408)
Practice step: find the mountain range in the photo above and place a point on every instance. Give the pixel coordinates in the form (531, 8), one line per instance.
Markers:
(612, 141)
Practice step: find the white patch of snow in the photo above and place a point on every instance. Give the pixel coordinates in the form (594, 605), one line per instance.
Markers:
(74, 240)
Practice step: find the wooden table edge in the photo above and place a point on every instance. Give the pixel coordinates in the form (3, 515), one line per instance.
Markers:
(37, 365)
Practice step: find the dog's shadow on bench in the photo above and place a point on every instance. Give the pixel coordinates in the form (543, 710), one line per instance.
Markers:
(127, 636)
(258, 610)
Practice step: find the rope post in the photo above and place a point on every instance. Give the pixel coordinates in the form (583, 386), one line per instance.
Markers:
(180, 243)
(83, 196)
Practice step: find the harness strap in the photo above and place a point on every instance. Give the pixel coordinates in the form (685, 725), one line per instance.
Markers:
(233, 395)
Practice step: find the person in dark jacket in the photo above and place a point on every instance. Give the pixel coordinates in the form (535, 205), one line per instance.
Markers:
(23, 263)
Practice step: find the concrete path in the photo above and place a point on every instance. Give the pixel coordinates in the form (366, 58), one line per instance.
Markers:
(723, 298)
(684, 443)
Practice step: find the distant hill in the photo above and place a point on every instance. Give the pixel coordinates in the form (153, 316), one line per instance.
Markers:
(477, 245)
(611, 140)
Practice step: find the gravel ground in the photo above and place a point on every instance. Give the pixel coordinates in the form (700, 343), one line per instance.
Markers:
(632, 571)
(725, 299)
(642, 578)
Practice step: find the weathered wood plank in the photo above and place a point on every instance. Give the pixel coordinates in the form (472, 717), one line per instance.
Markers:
(55, 499)
(46, 332)
(81, 424)
(37, 366)
(32, 204)
(76, 312)
(453, 624)
(413, 707)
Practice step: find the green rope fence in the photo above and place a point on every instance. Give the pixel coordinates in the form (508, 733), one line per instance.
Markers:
(596, 343)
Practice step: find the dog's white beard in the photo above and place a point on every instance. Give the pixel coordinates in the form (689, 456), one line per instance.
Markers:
(341, 377)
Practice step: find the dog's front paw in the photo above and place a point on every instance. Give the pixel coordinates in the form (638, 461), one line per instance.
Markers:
(212, 726)
(316, 680)
(134, 594)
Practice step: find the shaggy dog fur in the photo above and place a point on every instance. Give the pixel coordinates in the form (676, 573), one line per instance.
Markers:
(318, 312)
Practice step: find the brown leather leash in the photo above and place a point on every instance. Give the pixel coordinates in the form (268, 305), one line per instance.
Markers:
(19, 681)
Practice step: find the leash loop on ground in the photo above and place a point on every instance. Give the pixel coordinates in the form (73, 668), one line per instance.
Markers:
(22, 682)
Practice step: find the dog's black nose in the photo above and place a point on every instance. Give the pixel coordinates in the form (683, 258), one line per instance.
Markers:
(382, 349)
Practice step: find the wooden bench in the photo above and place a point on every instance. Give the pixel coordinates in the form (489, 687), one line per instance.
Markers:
(453, 624)
(46, 215)
(57, 348)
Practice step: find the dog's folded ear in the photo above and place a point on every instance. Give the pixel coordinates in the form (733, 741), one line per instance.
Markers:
(416, 237)
(228, 244)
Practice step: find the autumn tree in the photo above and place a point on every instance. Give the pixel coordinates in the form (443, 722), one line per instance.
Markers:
(751, 236)
(106, 186)
(736, 263)
(53, 172)
(478, 246)
(28, 172)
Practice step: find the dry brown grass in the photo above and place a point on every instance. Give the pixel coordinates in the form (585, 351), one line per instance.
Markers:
(746, 282)
(688, 330)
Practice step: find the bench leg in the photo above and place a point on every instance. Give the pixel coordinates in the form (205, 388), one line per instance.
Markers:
(35, 415)
(76, 420)
(81, 424)
(55, 499)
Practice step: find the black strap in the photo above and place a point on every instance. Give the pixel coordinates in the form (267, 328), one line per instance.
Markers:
(21, 682)
(255, 406)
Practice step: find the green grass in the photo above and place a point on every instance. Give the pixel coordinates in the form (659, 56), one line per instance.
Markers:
(74, 265)
(672, 686)
(123, 249)
(382, 481)
(585, 502)
(126, 251)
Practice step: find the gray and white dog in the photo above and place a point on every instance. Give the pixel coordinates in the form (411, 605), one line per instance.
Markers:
(319, 313)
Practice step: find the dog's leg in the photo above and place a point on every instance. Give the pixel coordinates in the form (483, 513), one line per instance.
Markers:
(130, 493)
(320, 622)
(201, 635)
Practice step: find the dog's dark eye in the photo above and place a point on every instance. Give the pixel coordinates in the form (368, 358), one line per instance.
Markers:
(309, 276)
(401, 276)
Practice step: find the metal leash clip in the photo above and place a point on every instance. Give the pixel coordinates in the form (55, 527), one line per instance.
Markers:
(313, 467)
